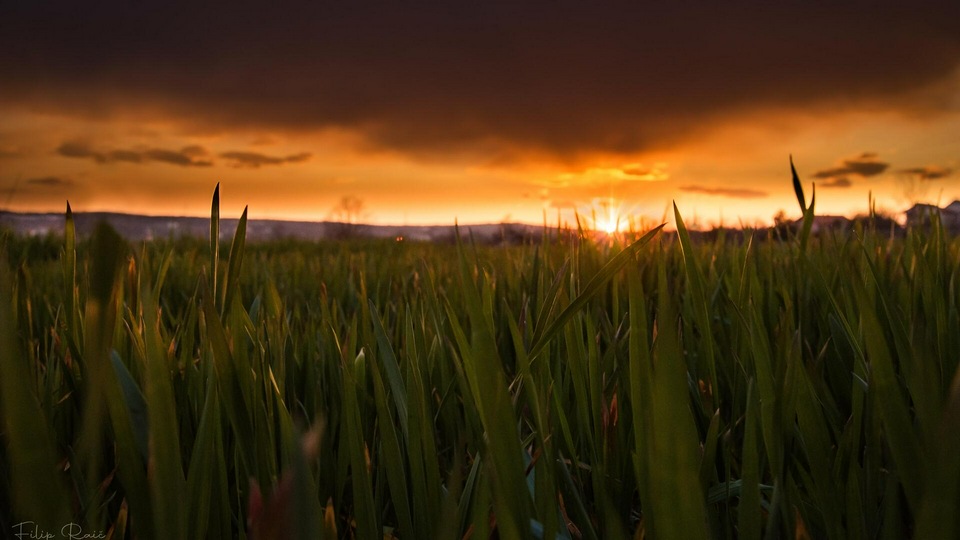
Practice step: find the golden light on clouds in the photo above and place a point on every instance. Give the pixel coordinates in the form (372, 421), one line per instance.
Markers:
(632, 172)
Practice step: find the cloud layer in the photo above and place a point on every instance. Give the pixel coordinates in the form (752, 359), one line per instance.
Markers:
(50, 181)
(254, 160)
(838, 182)
(867, 164)
(737, 193)
(930, 172)
(496, 79)
(189, 156)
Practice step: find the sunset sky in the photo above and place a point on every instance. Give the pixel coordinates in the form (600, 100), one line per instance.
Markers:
(480, 112)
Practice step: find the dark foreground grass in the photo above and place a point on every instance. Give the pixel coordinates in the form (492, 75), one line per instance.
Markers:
(659, 387)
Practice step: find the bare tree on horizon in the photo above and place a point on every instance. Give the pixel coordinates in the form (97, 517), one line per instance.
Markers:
(347, 213)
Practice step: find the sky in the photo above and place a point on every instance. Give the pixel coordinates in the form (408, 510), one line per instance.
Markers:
(486, 112)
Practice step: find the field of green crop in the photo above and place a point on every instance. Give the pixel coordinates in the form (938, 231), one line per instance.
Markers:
(795, 387)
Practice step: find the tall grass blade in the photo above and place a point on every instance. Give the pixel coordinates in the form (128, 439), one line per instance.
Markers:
(677, 496)
(392, 368)
(167, 482)
(232, 286)
(701, 307)
(483, 369)
(808, 211)
(937, 517)
(214, 239)
(891, 403)
(72, 314)
(551, 298)
(230, 388)
(748, 510)
(135, 403)
(38, 491)
(592, 287)
(105, 398)
(206, 461)
(392, 455)
(798, 187)
(364, 507)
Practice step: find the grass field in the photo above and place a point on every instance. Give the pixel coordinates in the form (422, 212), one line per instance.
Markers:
(650, 387)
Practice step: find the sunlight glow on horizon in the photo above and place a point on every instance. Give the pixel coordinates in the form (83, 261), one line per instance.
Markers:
(721, 179)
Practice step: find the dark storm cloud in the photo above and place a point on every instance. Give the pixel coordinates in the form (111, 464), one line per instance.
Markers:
(76, 149)
(253, 160)
(128, 156)
(928, 173)
(495, 78)
(838, 182)
(50, 181)
(174, 158)
(865, 165)
(186, 157)
(737, 193)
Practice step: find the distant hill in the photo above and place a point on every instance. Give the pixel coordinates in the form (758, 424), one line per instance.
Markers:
(137, 227)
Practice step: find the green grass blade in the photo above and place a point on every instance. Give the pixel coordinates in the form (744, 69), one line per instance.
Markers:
(214, 239)
(798, 187)
(364, 507)
(575, 502)
(807, 211)
(135, 403)
(466, 496)
(103, 400)
(72, 315)
(389, 360)
(641, 395)
(592, 287)
(937, 517)
(701, 307)
(678, 500)
(484, 371)
(817, 444)
(808, 217)
(231, 391)
(551, 298)
(167, 483)
(232, 286)
(37, 490)
(392, 456)
(898, 426)
(202, 471)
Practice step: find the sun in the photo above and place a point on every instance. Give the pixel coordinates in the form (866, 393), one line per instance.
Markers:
(608, 217)
(610, 225)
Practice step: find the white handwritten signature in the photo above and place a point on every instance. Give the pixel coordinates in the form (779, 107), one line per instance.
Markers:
(31, 531)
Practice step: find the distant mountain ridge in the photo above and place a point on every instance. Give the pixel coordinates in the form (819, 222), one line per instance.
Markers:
(140, 227)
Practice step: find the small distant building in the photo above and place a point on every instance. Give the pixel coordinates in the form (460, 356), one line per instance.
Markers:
(922, 214)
